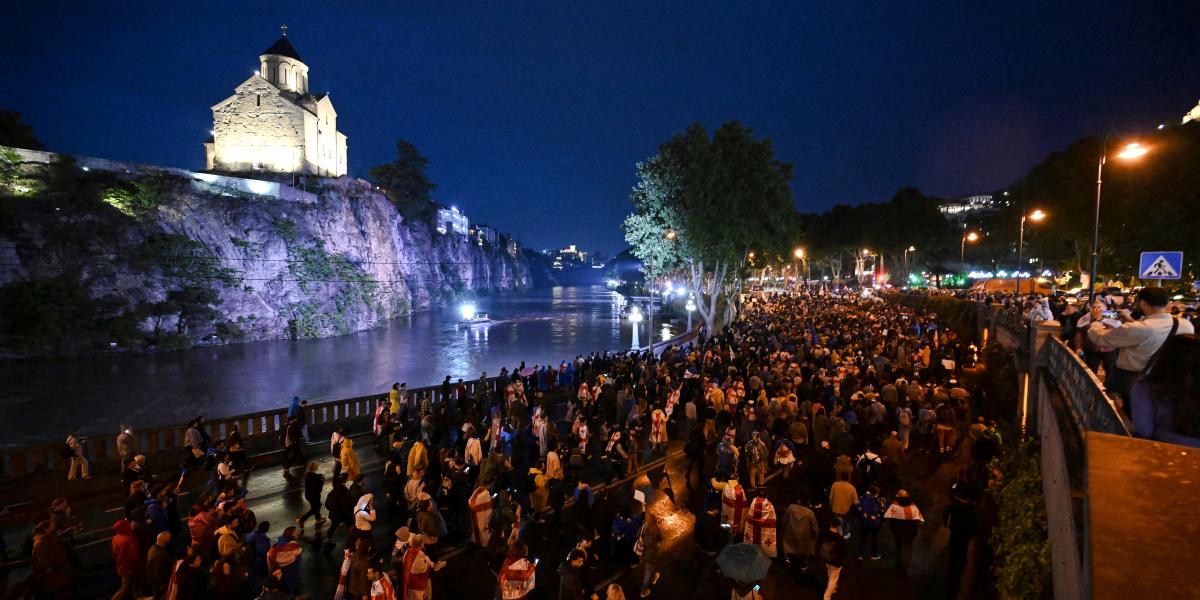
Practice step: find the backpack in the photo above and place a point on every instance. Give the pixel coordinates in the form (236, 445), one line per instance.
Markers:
(757, 453)
(905, 418)
(724, 457)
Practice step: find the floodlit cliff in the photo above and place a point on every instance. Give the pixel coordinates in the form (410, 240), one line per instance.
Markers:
(97, 256)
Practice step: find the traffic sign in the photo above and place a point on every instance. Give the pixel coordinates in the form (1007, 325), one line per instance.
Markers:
(1160, 265)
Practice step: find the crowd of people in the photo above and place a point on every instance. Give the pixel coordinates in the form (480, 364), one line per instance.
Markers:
(822, 395)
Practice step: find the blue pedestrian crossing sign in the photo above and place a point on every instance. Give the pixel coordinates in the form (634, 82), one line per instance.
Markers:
(1160, 265)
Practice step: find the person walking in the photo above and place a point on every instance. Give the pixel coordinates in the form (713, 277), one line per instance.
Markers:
(158, 565)
(842, 499)
(870, 521)
(349, 460)
(314, 482)
(649, 542)
(800, 533)
(833, 550)
(127, 556)
(73, 451)
(340, 505)
(962, 522)
(904, 519)
(285, 555)
(418, 568)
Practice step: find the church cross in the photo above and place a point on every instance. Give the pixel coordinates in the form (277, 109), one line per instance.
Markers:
(283, 28)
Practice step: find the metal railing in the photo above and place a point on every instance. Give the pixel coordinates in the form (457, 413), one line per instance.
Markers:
(23, 461)
(1091, 406)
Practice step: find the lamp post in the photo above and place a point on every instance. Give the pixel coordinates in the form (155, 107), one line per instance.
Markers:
(1034, 216)
(799, 254)
(691, 306)
(906, 251)
(962, 250)
(635, 317)
(669, 235)
(1131, 151)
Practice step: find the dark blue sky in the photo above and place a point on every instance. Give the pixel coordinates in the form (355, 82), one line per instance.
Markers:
(533, 114)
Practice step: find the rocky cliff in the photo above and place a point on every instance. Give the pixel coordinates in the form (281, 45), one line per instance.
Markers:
(118, 258)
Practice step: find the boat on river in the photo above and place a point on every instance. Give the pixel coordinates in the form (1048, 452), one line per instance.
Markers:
(477, 319)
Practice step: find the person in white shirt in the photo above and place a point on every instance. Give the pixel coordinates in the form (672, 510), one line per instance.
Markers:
(1139, 339)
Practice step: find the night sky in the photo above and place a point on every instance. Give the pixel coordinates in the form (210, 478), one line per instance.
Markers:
(533, 114)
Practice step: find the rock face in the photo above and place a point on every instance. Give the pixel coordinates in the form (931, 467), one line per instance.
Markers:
(190, 259)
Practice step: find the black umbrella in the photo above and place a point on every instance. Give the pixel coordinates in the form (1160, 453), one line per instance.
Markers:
(744, 562)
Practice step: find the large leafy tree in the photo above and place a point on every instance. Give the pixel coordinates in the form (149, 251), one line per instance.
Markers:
(404, 179)
(724, 196)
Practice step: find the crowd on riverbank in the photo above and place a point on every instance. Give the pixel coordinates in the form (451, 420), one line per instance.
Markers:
(831, 393)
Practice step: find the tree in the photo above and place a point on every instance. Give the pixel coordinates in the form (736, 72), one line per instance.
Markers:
(16, 133)
(404, 179)
(195, 306)
(724, 196)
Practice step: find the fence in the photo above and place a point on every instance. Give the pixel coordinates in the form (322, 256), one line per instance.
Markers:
(263, 426)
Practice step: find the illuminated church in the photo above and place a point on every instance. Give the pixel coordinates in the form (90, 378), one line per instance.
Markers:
(273, 124)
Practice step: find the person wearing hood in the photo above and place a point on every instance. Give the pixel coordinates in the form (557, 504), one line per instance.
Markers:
(904, 519)
(158, 565)
(800, 533)
(364, 518)
(418, 458)
(285, 555)
(228, 540)
(349, 460)
(127, 555)
(259, 543)
(572, 584)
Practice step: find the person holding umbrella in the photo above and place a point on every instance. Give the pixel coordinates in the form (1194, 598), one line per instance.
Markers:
(745, 564)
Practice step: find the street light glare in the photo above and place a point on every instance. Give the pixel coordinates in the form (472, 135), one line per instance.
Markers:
(972, 236)
(1132, 151)
(912, 248)
(799, 253)
(670, 234)
(1037, 215)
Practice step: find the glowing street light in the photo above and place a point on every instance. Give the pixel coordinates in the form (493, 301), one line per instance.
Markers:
(1130, 152)
(962, 250)
(1036, 216)
(635, 317)
(799, 253)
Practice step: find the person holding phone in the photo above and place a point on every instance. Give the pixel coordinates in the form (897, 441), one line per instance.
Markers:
(1139, 339)
(1093, 354)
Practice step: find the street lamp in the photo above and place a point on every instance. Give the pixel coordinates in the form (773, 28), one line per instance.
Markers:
(668, 235)
(1035, 216)
(1131, 151)
(635, 317)
(906, 251)
(691, 306)
(962, 251)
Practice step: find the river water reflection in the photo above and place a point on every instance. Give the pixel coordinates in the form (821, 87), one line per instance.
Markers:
(42, 400)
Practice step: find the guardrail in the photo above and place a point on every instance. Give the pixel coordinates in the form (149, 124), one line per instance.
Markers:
(1091, 407)
(23, 461)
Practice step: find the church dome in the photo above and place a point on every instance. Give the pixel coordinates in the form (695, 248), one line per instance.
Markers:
(281, 65)
(283, 47)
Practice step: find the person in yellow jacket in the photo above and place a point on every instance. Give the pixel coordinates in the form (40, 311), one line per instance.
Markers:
(349, 460)
(394, 399)
(418, 458)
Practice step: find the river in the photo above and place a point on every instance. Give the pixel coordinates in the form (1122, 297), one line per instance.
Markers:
(42, 400)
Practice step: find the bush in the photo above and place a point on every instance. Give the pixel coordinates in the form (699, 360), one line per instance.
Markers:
(1000, 394)
(1020, 539)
